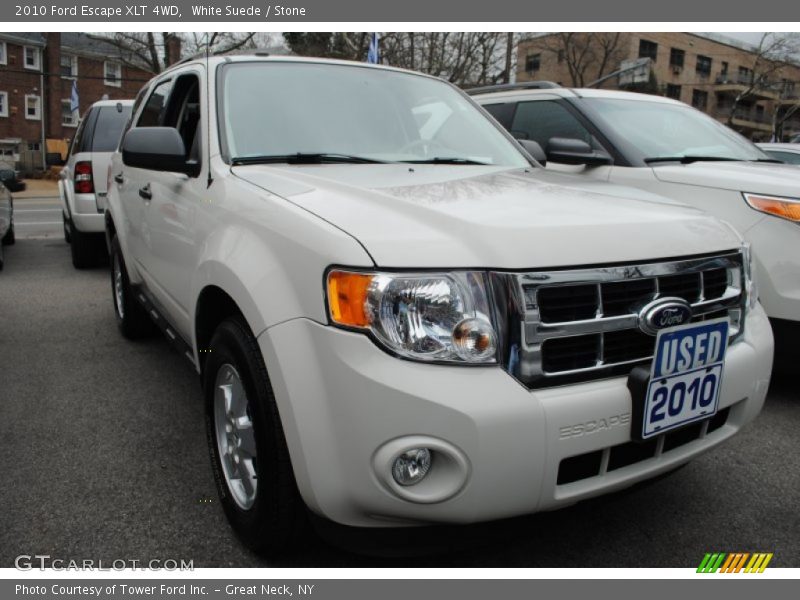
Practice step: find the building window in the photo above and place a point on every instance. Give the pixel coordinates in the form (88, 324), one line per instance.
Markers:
(33, 107)
(69, 66)
(648, 49)
(34, 146)
(703, 67)
(3, 104)
(673, 91)
(676, 57)
(113, 74)
(68, 117)
(533, 63)
(745, 75)
(32, 58)
(724, 70)
(3, 53)
(699, 99)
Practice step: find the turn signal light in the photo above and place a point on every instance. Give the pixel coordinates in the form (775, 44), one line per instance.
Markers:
(786, 208)
(347, 298)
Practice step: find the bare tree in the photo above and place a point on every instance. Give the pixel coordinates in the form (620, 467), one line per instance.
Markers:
(148, 50)
(587, 55)
(773, 52)
(781, 114)
(465, 58)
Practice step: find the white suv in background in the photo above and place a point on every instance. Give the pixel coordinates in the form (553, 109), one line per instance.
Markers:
(671, 149)
(82, 187)
(399, 318)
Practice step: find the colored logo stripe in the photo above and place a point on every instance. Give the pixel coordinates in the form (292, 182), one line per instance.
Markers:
(734, 562)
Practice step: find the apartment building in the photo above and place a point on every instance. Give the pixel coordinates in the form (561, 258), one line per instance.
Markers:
(37, 71)
(707, 71)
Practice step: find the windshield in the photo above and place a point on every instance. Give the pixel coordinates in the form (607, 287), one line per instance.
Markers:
(282, 109)
(659, 129)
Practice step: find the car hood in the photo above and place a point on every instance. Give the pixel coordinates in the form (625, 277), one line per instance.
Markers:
(424, 216)
(760, 178)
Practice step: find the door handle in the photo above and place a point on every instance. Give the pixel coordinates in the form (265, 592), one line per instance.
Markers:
(118, 178)
(145, 192)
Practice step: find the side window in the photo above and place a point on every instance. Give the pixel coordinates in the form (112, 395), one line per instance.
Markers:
(82, 142)
(76, 141)
(503, 112)
(183, 113)
(155, 107)
(545, 119)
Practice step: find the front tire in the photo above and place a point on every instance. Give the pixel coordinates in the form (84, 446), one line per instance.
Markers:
(250, 459)
(132, 319)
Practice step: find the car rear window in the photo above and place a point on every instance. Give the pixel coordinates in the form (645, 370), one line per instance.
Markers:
(109, 127)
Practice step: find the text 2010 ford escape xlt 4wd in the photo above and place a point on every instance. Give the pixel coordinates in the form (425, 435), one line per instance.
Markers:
(399, 318)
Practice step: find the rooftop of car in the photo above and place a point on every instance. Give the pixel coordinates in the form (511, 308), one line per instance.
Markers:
(566, 92)
(780, 146)
(113, 102)
(256, 56)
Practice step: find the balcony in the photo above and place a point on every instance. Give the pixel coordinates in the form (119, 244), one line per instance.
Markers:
(745, 118)
(733, 84)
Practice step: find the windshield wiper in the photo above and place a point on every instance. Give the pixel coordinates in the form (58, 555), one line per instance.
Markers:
(768, 160)
(685, 160)
(304, 158)
(446, 160)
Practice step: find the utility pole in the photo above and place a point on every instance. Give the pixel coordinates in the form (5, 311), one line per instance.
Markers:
(509, 51)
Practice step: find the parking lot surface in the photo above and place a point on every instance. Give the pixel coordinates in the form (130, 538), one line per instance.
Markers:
(103, 456)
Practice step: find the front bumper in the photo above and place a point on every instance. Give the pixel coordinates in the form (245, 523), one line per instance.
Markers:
(346, 406)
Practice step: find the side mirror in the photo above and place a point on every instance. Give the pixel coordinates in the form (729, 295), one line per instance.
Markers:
(535, 150)
(157, 149)
(576, 152)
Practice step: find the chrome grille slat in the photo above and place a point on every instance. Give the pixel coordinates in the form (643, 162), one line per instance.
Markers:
(714, 285)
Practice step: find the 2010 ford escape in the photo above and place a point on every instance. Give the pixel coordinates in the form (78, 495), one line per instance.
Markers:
(399, 318)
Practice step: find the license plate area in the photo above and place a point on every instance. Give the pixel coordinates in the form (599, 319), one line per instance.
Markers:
(684, 380)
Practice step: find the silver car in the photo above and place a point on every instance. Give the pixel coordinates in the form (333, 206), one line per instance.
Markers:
(83, 183)
(6, 220)
(788, 153)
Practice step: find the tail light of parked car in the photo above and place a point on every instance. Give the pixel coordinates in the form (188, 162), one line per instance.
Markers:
(84, 183)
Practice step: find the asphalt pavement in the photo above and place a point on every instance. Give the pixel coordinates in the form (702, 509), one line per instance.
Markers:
(103, 456)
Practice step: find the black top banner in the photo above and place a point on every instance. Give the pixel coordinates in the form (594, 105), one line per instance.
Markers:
(443, 11)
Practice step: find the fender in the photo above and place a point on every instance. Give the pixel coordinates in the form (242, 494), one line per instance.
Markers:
(271, 274)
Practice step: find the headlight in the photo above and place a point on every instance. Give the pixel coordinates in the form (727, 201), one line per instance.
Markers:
(786, 208)
(750, 288)
(423, 316)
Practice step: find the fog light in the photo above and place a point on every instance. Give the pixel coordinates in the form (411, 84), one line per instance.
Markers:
(412, 466)
(474, 340)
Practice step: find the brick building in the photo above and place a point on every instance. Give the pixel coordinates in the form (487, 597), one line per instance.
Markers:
(704, 70)
(37, 71)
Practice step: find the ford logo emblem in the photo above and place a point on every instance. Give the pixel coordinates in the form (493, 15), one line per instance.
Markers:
(663, 313)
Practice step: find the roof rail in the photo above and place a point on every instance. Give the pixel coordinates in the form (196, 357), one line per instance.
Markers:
(503, 87)
(240, 52)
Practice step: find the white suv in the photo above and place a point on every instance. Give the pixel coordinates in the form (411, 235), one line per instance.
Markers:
(399, 319)
(82, 187)
(671, 149)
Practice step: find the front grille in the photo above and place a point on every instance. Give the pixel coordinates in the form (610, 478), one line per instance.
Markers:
(584, 324)
(590, 464)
